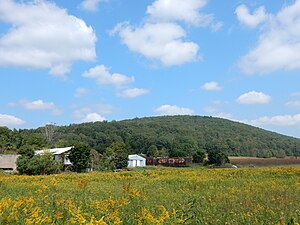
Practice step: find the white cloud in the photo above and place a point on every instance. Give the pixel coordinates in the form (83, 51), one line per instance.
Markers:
(254, 97)
(160, 37)
(293, 104)
(217, 26)
(93, 117)
(9, 120)
(133, 92)
(251, 20)
(91, 5)
(211, 86)
(278, 46)
(159, 41)
(85, 113)
(80, 92)
(295, 94)
(40, 105)
(224, 115)
(43, 35)
(178, 10)
(102, 76)
(173, 110)
(279, 120)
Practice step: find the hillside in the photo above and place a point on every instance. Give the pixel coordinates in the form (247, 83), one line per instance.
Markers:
(172, 135)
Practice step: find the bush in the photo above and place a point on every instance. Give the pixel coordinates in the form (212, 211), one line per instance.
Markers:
(218, 158)
(80, 157)
(43, 164)
(199, 156)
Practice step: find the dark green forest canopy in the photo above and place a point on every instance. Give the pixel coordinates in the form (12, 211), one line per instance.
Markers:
(172, 135)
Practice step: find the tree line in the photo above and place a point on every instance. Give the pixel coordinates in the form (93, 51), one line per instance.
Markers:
(173, 136)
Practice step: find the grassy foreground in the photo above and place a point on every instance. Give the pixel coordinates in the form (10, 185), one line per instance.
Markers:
(162, 196)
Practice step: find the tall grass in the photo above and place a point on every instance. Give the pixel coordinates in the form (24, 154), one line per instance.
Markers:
(162, 196)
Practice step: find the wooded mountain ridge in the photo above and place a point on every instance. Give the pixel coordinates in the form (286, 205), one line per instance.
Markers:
(169, 135)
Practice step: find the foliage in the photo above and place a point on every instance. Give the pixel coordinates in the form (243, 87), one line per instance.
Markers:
(115, 156)
(43, 164)
(162, 196)
(153, 151)
(199, 156)
(217, 158)
(172, 136)
(26, 150)
(80, 157)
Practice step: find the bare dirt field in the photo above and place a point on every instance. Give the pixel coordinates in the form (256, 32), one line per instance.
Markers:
(252, 161)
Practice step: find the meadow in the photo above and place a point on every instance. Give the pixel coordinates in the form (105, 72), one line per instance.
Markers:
(157, 196)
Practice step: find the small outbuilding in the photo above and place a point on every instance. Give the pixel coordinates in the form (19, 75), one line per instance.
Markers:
(8, 163)
(136, 161)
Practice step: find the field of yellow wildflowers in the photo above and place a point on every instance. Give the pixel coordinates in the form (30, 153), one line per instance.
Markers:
(161, 196)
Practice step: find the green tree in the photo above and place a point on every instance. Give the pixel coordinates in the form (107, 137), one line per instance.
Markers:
(199, 156)
(152, 151)
(43, 164)
(120, 154)
(26, 150)
(80, 157)
(115, 156)
(218, 158)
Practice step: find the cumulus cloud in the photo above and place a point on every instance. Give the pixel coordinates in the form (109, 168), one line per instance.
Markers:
(160, 37)
(91, 5)
(80, 92)
(93, 117)
(254, 97)
(178, 10)
(173, 110)
(103, 77)
(279, 120)
(251, 20)
(133, 92)
(159, 41)
(211, 86)
(93, 113)
(45, 36)
(38, 105)
(278, 46)
(293, 104)
(10, 121)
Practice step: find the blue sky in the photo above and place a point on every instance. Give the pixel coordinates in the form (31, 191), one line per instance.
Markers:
(79, 61)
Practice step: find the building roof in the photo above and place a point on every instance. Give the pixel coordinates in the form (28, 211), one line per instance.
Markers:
(135, 157)
(54, 151)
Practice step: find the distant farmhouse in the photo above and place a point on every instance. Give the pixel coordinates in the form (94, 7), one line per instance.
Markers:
(60, 155)
(136, 161)
(8, 163)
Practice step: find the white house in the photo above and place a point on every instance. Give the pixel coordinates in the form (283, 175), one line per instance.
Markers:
(60, 154)
(136, 161)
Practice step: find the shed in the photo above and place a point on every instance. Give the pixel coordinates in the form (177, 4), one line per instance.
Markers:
(8, 162)
(136, 161)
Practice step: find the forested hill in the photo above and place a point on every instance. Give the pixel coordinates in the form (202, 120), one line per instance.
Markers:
(169, 135)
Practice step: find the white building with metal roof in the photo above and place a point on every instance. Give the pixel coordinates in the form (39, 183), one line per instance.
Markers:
(59, 154)
(136, 161)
